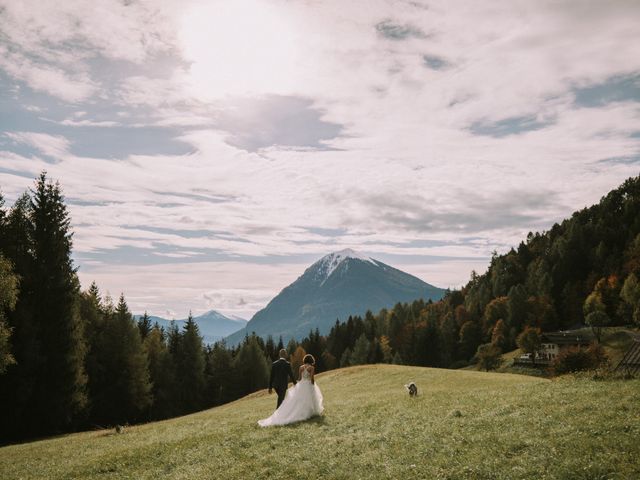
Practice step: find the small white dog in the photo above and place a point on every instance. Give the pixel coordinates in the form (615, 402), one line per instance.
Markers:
(412, 388)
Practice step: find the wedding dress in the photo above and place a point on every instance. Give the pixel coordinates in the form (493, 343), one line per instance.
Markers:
(302, 402)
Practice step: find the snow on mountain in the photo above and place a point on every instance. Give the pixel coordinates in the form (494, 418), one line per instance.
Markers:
(327, 264)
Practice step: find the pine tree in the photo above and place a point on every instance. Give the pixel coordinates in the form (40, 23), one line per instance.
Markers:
(345, 359)
(144, 325)
(220, 368)
(251, 368)
(270, 348)
(191, 367)
(21, 379)
(470, 338)
(59, 397)
(8, 298)
(123, 393)
(161, 374)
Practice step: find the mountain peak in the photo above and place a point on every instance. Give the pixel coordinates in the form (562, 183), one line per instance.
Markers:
(340, 284)
(327, 264)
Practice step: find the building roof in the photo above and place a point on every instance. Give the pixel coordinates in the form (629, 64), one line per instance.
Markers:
(568, 338)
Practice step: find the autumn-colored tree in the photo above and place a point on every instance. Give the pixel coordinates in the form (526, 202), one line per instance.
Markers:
(595, 310)
(296, 359)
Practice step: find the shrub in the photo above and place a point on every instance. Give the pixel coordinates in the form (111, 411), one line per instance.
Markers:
(576, 359)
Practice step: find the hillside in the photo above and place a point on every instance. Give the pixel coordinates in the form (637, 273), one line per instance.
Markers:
(338, 285)
(463, 425)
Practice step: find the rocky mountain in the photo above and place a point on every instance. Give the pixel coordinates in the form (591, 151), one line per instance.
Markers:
(338, 285)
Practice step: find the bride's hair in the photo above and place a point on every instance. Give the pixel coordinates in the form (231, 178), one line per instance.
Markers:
(308, 359)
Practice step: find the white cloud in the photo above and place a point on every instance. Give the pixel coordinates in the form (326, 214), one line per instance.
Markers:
(54, 146)
(407, 175)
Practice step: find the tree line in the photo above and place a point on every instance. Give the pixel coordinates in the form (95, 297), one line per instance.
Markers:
(72, 359)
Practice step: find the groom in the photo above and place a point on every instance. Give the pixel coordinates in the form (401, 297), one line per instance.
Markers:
(280, 374)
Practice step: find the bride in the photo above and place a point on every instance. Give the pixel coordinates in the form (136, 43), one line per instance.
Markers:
(303, 401)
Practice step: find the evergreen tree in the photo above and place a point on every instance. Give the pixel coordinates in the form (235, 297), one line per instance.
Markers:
(291, 346)
(360, 351)
(470, 338)
(397, 359)
(191, 367)
(345, 359)
(22, 377)
(8, 298)
(162, 375)
(124, 393)
(270, 348)
(448, 337)
(59, 395)
(144, 325)
(251, 368)
(330, 362)
(516, 314)
(220, 368)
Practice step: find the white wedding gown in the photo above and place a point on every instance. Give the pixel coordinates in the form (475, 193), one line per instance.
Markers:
(302, 402)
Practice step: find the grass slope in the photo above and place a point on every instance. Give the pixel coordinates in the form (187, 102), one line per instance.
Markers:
(464, 425)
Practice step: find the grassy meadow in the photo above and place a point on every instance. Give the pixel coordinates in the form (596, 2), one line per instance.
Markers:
(463, 425)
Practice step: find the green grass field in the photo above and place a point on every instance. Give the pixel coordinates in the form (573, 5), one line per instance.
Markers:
(464, 425)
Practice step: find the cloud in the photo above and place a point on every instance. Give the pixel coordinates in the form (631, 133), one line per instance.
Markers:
(277, 121)
(193, 153)
(54, 146)
(71, 87)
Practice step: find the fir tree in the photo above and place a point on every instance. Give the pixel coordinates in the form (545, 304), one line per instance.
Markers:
(21, 379)
(161, 374)
(191, 367)
(8, 298)
(124, 392)
(144, 325)
(251, 368)
(59, 396)
(220, 369)
(345, 359)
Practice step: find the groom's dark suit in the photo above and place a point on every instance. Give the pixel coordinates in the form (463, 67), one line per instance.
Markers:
(280, 374)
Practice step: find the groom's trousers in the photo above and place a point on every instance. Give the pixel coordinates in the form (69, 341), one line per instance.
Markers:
(281, 393)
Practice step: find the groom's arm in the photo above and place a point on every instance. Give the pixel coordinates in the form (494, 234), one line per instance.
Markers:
(291, 375)
(271, 378)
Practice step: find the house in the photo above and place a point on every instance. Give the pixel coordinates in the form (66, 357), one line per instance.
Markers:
(553, 343)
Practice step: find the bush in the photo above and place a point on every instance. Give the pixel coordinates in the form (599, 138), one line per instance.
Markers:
(488, 356)
(576, 359)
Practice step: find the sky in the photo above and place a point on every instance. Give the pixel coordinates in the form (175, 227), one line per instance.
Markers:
(210, 151)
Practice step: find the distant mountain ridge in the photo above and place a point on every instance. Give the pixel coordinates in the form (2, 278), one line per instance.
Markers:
(338, 285)
(213, 325)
